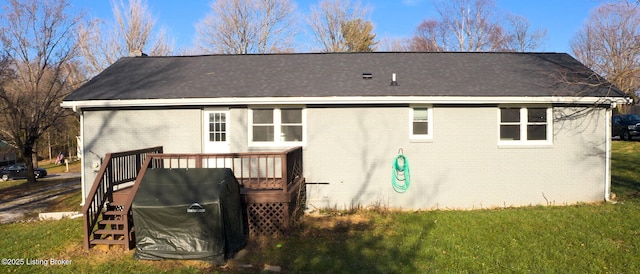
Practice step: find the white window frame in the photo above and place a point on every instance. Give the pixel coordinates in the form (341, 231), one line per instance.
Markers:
(207, 124)
(277, 130)
(418, 137)
(524, 116)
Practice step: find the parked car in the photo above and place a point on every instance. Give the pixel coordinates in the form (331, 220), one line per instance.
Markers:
(19, 171)
(626, 126)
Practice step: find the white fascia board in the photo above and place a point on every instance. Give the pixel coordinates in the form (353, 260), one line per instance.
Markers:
(355, 100)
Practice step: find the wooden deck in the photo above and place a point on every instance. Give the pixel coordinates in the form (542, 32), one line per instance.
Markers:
(272, 189)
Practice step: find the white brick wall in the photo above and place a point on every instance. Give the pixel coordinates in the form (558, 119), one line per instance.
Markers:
(178, 130)
(350, 151)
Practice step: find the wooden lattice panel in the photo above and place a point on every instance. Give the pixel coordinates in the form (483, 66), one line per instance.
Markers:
(267, 218)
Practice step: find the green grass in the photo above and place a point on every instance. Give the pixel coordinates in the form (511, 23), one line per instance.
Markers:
(573, 239)
(625, 169)
(61, 240)
(11, 183)
(53, 168)
(586, 238)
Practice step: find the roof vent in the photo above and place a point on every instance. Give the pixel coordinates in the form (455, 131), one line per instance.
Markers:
(393, 80)
(367, 76)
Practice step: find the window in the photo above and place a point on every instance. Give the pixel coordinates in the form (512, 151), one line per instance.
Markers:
(217, 127)
(525, 125)
(263, 126)
(276, 126)
(536, 124)
(509, 124)
(291, 125)
(421, 126)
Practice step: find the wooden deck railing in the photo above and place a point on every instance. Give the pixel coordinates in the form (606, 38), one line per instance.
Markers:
(254, 170)
(271, 182)
(116, 169)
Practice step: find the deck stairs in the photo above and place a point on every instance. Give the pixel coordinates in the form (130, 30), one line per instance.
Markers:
(116, 225)
(107, 208)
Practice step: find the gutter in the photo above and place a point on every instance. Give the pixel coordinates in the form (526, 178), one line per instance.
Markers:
(335, 100)
(607, 168)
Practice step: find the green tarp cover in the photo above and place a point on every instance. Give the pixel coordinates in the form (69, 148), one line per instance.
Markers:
(193, 214)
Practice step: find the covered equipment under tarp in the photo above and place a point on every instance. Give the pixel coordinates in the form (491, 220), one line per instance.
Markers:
(193, 214)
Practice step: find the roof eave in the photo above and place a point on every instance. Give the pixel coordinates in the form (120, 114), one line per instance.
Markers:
(341, 100)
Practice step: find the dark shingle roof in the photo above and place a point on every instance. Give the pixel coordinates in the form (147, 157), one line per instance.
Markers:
(341, 74)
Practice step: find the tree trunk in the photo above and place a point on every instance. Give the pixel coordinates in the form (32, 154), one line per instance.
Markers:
(27, 155)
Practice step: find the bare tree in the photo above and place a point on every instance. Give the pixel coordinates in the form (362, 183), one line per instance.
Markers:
(247, 26)
(609, 44)
(427, 37)
(39, 43)
(469, 24)
(387, 43)
(358, 35)
(327, 19)
(520, 36)
(133, 28)
(474, 25)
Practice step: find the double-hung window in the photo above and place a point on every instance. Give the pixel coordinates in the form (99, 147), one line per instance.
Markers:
(276, 126)
(525, 125)
(421, 123)
(263, 127)
(291, 125)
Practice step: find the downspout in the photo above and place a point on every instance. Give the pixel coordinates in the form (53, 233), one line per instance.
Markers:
(607, 169)
(78, 110)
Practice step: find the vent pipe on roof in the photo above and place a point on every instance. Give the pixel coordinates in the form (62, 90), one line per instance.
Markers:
(393, 80)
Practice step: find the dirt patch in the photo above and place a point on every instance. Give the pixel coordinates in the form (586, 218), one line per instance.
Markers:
(331, 225)
(332, 222)
(103, 254)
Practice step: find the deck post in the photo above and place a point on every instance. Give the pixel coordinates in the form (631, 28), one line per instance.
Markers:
(109, 180)
(285, 170)
(199, 161)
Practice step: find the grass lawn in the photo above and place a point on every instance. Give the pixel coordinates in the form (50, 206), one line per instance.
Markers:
(625, 169)
(587, 238)
(53, 168)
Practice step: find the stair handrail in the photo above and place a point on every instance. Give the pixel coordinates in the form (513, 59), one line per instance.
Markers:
(96, 199)
(102, 188)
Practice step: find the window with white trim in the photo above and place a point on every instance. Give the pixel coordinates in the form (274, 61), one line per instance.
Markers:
(262, 126)
(276, 126)
(218, 126)
(421, 123)
(525, 125)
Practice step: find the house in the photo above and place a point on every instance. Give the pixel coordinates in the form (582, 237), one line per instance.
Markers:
(478, 130)
(8, 154)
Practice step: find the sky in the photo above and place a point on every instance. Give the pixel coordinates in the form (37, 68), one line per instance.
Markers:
(391, 18)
